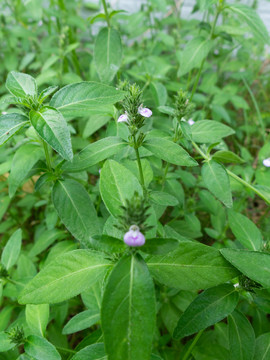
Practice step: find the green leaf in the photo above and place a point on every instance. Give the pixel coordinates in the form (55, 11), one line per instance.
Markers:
(12, 249)
(217, 181)
(52, 128)
(93, 352)
(128, 306)
(194, 53)
(108, 53)
(208, 308)
(94, 123)
(10, 124)
(225, 156)
(37, 317)
(74, 207)
(191, 266)
(81, 98)
(253, 20)
(245, 231)
(159, 246)
(253, 264)
(40, 348)
(162, 198)
(69, 275)
(21, 85)
(23, 161)
(5, 343)
(94, 153)
(174, 153)
(117, 184)
(45, 239)
(81, 321)
(241, 337)
(209, 131)
(107, 244)
(262, 347)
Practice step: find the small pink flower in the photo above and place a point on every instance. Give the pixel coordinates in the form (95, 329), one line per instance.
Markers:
(266, 162)
(123, 118)
(191, 122)
(145, 112)
(134, 237)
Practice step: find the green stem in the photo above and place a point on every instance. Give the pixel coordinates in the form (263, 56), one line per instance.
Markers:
(139, 165)
(66, 350)
(246, 184)
(106, 12)
(256, 107)
(233, 175)
(47, 155)
(165, 174)
(194, 342)
(202, 64)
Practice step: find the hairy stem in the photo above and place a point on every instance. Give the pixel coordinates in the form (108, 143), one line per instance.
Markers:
(47, 155)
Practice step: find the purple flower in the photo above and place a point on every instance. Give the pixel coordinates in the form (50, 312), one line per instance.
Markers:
(145, 112)
(134, 237)
(191, 122)
(123, 118)
(266, 162)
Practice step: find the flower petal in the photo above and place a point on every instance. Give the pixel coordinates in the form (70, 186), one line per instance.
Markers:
(123, 118)
(145, 112)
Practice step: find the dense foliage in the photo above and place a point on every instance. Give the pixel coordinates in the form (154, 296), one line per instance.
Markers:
(135, 182)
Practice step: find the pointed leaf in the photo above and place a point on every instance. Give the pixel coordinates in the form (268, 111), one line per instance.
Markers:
(10, 124)
(245, 231)
(74, 207)
(117, 184)
(37, 317)
(128, 306)
(217, 181)
(40, 348)
(253, 20)
(12, 249)
(52, 128)
(81, 321)
(253, 264)
(94, 153)
(23, 161)
(69, 275)
(174, 153)
(241, 337)
(208, 308)
(81, 98)
(262, 347)
(93, 352)
(210, 131)
(191, 266)
(21, 85)
(107, 53)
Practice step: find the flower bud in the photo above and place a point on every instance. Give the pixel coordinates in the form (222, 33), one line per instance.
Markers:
(134, 237)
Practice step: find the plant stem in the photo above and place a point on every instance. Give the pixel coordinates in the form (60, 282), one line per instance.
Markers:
(47, 155)
(233, 175)
(139, 165)
(106, 12)
(246, 184)
(66, 350)
(165, 174)
(202, 64)
(256, 107)
(194, 342)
